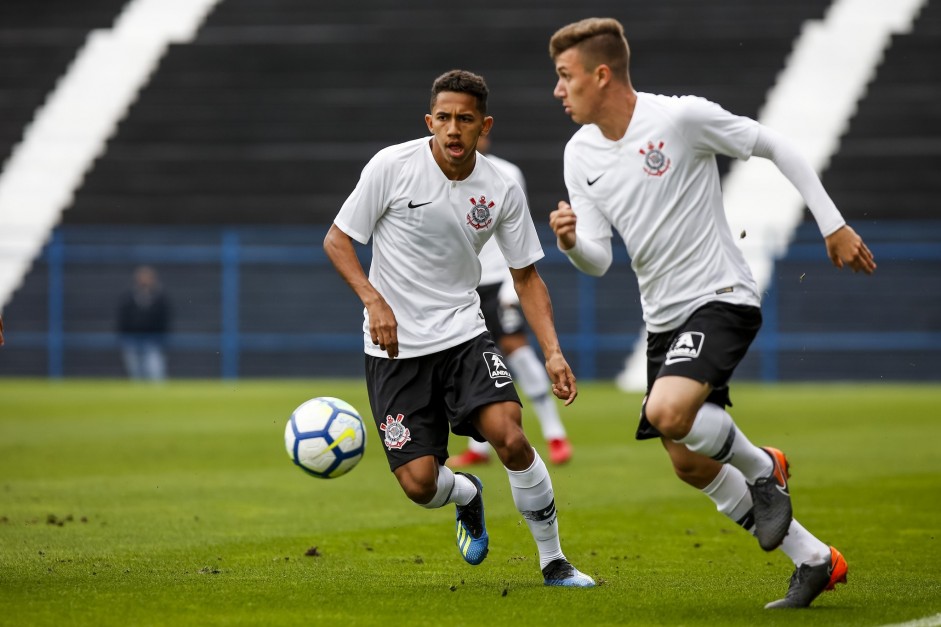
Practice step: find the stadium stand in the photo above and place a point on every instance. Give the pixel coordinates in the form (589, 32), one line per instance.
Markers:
(250, 137)
(270, 114)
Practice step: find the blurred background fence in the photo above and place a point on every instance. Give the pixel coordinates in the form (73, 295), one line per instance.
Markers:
(233, 157)
(263, 302)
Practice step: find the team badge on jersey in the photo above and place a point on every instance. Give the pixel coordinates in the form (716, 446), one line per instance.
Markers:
(397, 434)
(479, 217)
(497, 369)
(655, 162)
(685, 347)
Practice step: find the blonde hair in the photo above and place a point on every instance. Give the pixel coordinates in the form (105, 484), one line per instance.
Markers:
(600, 40)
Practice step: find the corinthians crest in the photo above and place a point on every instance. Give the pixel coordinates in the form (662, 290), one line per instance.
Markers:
(655, 162)
(397, 434)
(479, 217)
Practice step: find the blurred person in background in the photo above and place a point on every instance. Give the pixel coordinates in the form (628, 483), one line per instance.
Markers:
(143, 324)
(501, 307)
(1, 330)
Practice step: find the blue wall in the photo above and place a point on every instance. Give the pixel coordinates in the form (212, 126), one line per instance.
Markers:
(264, 302)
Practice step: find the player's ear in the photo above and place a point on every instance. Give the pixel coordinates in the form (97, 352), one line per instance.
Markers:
(428, 123)
(602, 74)
(488, 124)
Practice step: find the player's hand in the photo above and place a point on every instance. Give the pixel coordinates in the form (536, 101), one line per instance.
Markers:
(845, 247)
(383, 327)
(563, 380)
(562, 221)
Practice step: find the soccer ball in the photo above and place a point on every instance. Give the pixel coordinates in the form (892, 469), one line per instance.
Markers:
(325, 437)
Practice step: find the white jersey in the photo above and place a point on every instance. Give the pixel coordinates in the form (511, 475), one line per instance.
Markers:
(426, 234)
(659, 187)
(493, 268)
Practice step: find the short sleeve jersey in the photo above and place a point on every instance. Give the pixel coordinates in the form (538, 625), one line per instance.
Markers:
(658, 186)
(493, 268)
(426, 234)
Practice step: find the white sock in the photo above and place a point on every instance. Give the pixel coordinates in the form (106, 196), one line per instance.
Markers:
(803, 547)
(452, 488)
(534, 382)
(729, 492)
(715, 435)
(481, 448)
(532, 493)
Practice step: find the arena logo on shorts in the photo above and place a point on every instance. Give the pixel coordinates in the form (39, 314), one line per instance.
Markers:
(497, 369)
(397, 434)
(685, 347)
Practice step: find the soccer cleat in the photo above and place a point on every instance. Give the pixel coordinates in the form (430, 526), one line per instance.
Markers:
(468, 458)
(561, 573)
(808, 582)
(560, 451)
(472, 539)
(772, 502)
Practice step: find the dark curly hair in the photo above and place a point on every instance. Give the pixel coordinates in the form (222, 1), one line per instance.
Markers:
(463, 82)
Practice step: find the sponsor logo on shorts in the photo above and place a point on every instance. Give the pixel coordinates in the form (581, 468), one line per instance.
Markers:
(397, 434)
(497, 369)
(685, 347)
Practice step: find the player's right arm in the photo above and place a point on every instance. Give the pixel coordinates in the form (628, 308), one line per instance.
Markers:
(585, 237)
(383, 327)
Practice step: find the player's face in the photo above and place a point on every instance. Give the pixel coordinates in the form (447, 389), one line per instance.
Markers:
(576, 87)
(456, 124)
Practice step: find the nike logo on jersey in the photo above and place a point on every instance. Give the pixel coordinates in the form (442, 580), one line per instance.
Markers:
(501, 384)
(594, 180)
(412, 205)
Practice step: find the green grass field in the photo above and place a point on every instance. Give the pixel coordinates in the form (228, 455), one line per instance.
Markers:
(124, 504)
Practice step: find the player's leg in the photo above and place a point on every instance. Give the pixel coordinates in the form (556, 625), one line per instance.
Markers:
(531, 377)
(414, 429)
(476, 454)
(693, 365)
(479, 452)
(531, 487)
(709, 430)
(818, 567)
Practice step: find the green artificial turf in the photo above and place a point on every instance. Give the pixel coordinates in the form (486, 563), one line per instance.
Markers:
(176, 504)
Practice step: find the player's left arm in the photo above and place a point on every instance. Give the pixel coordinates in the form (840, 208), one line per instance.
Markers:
(537, 307)
(844, 245)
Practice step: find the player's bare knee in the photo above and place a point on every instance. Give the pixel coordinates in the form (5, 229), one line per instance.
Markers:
(419, 490)
(670, 420)
(514, 450)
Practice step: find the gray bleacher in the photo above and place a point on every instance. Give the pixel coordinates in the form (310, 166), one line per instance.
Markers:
(267, 118)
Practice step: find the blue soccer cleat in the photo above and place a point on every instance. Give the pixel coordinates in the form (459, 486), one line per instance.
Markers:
(472, 539)
(561, 573)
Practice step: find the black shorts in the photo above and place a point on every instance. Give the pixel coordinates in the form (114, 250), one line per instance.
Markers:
(707, 347)
(416, 402)
(500, 320)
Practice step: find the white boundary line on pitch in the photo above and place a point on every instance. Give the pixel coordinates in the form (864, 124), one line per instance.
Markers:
(927, 621)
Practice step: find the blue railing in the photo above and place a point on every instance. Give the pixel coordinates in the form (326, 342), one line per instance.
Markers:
(584, 341)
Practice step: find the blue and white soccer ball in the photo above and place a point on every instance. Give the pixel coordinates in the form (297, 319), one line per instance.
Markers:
(325, 437)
